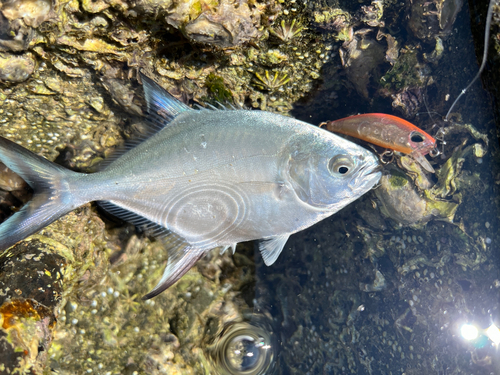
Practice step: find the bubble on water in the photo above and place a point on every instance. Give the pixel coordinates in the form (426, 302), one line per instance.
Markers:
(244, 349)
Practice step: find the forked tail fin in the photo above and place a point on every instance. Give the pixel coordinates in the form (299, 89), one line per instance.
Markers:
(52, 196)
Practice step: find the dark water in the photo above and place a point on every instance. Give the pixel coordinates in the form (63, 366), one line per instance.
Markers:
(360, 294)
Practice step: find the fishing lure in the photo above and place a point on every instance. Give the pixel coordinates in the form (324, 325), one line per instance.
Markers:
(387, 131)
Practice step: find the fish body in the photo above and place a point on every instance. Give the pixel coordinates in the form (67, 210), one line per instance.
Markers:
(204, 179)
(387, 131)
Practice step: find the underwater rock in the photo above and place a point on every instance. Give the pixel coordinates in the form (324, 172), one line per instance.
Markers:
(14, 68)
(429, 19)
(402, 201)
(414, 169)
(333, 20)
(378, 284)
(405, 81)
(408, 101)
(373, 14)
(286, 32)
(392, 53)
(449, 174)
(245, 348)
(399, 200)
(361, 57)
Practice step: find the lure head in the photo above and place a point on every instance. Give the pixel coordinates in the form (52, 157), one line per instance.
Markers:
(421, 142)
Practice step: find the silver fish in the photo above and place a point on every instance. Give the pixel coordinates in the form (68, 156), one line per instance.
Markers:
(204, 179)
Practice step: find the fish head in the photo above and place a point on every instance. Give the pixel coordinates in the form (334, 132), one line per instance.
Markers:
(331, 172)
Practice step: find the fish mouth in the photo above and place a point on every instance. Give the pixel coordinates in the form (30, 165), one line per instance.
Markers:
(368, 176)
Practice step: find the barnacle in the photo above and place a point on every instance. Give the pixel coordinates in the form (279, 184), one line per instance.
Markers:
(287, 32)
(334, 20)
(269, 82)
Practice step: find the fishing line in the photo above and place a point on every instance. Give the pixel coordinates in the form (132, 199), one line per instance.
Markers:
(483, 63)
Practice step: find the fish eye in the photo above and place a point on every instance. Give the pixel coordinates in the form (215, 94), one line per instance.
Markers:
(340, 165)
(416, 137)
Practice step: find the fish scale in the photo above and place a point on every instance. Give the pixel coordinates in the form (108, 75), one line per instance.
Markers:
(204, 179)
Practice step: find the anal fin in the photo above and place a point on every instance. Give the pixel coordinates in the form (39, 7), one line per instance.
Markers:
(181, 258)
(181, 255)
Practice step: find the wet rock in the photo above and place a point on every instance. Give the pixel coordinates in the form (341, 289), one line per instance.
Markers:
(31, 12)
(32, 270)
(31, 289)
(14, 36)
(18, 19)
(9, 181)
(15, 68)
(25, 336)
(227, 26)
(35, 274)
(122, 95)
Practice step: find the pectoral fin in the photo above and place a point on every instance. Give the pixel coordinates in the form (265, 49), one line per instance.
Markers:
(271, 248)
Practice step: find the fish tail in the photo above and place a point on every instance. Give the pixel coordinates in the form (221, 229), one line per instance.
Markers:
(52, 196)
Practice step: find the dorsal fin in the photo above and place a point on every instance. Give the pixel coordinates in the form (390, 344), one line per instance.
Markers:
(161, 109)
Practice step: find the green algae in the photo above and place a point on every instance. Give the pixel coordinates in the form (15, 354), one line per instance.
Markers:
(217, 90)
(398, 179)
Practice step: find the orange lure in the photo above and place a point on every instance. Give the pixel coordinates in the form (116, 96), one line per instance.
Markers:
(387, 131)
